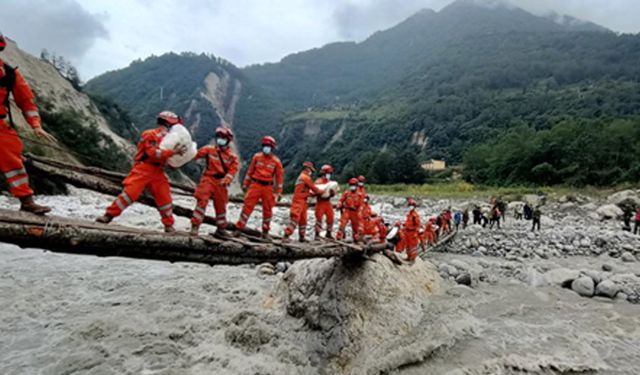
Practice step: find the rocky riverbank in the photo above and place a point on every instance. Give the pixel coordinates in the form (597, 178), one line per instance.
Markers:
(493, 302)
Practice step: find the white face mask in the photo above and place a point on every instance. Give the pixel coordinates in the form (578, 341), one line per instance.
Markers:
(353, 188)
(221, 141)
(328, 176)
(360, 184)
(266, 149)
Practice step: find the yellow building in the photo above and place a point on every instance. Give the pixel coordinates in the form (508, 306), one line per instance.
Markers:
(435, 165)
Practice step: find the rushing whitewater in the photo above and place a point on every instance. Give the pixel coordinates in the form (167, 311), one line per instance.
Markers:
(66, 314)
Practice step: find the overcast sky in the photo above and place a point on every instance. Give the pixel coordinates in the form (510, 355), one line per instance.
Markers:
(100, 35)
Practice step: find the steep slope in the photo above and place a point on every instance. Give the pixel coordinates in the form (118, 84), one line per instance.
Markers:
(84, 135)
(206, 91)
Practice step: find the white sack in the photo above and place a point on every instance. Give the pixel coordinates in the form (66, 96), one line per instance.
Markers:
(328, 188)
(179, 135)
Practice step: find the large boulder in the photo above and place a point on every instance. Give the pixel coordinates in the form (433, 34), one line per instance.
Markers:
(584, 286)
(624, 197)
(370, 317)
(561, 276)
(609, 211)
(607, 288)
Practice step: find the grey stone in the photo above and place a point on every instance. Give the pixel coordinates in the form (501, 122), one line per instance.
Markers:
(609, 211)
(607, 268)
(584, 286)
(464, 279)
(607, 288)
(628, 257)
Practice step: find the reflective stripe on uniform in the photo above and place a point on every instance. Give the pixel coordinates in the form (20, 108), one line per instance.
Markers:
(19, 182)
(167, 213)
(120, 205)
(201, 210)
(165, 207)
(158, 153)
(126, 198)
(31, 114)
(198, 215)
(15, 172)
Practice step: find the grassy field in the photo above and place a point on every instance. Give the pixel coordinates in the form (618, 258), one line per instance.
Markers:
(463, 190)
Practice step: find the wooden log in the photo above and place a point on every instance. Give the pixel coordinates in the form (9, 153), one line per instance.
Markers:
(81, 237)
(116, 177)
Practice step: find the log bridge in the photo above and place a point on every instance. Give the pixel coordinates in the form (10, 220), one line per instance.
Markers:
(73, 236)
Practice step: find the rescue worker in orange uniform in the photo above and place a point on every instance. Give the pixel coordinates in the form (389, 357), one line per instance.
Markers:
(364, 217)
(349, 207)
(148, 173)
(429, 235)
(324, 208)
(409, 238)
(361, 189)
(299, 203)
(258, 184)
(11, 165)
(221, 169)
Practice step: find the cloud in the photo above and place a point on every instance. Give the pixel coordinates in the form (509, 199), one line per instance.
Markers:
(61, 26)
(357, 19)
(103, 35)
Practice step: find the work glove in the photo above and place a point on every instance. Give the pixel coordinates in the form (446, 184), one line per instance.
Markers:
(245, 188)
(227, 181)
(180, 149)
(279, 197)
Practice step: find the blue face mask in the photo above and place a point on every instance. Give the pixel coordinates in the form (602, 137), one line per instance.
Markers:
(266, 149)
(221, 141)
(328, 176)
(353, 188)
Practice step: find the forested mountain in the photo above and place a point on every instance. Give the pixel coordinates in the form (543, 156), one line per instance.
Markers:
(436, 85)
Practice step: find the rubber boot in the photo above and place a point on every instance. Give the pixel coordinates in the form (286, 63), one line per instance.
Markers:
(221, 233)
(266, 236)
(329, 235)
(28, 205)
(302, 239)
(104, 219)
(169, 229)
(194, 230)
(285, 239)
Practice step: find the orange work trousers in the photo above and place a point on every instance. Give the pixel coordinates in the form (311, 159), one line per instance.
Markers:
(409, 241)
(324, 209)
(298, 217)
(145, 176)
(349, 216)
(11, 162)
(211, 188)
(258, 193)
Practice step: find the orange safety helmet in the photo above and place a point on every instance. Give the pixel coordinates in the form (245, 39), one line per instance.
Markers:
(326, 169)
(353, 181)
(168, 118)
(362, 179)
(308, 164)
(269, 141)
(3, 42)
(225, 133)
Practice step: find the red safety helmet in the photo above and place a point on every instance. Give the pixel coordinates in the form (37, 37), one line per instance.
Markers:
(225, 133)
(269, 141)
(168, 118)
(308, 164)
(3, 42)
(353, 181)
(326, 169)
(362, 179)
(411, 202)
